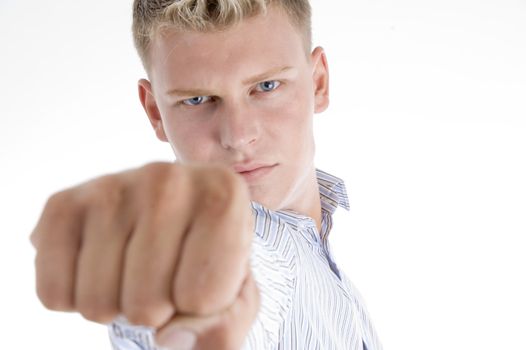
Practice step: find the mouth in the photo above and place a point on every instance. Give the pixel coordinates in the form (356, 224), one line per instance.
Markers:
(253, 172)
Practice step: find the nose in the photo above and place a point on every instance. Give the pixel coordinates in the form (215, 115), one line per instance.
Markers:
(239, 127)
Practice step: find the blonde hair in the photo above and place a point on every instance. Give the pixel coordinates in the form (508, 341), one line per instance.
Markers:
(151, 17)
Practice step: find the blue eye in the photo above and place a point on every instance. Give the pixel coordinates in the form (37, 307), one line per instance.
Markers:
(196, 101)
(269, 85)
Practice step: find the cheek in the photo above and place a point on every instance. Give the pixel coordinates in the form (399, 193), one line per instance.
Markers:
(292, 128)
(294, 115)
(189, 141)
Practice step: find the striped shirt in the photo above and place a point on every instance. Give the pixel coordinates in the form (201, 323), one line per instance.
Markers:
(306, 301)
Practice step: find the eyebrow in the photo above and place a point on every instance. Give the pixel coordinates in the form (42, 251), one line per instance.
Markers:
(249, 81)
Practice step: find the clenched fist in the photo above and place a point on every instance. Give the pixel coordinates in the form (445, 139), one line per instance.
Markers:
(165, 245)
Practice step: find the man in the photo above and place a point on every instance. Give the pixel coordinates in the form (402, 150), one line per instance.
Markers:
(226, 248)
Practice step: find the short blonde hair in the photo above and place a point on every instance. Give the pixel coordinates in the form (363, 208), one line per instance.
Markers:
(150, 17)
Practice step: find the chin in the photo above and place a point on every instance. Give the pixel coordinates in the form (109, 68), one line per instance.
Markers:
(264, 198)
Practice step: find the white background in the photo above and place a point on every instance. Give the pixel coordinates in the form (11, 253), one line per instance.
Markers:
(427, 125)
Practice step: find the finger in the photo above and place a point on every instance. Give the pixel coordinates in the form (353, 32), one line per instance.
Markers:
(152, 252)
(106, 231)
(213, 260)
(225, 330)
(57, 239)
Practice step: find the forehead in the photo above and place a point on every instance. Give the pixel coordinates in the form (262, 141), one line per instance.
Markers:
(255, 43)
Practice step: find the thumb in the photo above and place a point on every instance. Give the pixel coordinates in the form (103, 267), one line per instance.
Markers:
(225, 330)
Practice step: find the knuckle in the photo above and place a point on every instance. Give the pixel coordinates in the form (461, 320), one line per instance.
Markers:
(104, 193)
(155, 168)
(97, 310)
(197, 304)
(57, 204)
(225, 190)
(161, 183)
(172, 187)
(199, 295)
(56, 199)
(53, 299)
(148, 173)
(229, 202)
(58, 207)
(139, 313)
(147, 312)
(225, 337)
(157, 174)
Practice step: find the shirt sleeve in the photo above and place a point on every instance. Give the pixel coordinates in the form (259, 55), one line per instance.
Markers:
(124, 336)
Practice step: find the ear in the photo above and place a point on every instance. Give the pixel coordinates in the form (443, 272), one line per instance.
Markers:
(150, 107)
(320, 78)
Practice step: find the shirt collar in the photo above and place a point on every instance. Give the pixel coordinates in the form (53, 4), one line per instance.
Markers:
(333, 192)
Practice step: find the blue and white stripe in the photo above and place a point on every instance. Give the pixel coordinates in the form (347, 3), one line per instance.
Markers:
(307, 302)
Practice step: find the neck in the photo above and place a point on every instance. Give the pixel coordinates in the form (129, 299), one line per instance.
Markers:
(309, 203)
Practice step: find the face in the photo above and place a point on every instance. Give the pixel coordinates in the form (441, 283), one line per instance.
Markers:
(244, 97)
